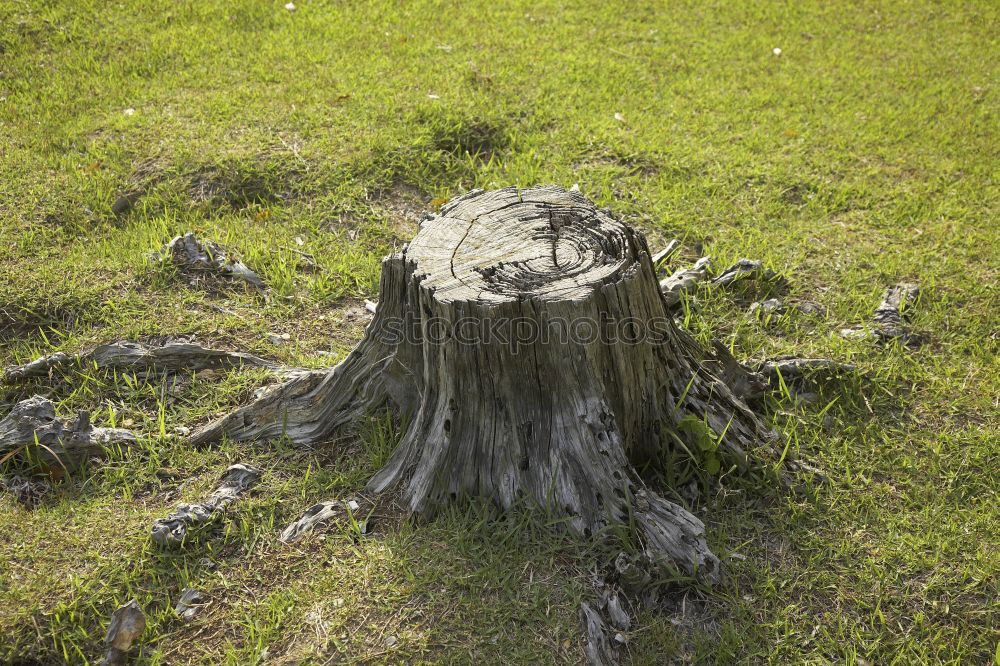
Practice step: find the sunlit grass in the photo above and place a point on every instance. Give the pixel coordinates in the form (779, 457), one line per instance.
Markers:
(861, 156)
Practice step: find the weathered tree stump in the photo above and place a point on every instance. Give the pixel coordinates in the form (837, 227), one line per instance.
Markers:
(525, 335)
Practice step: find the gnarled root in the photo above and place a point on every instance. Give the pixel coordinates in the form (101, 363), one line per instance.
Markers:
(66, 443)
(140, 358)
(172, 530)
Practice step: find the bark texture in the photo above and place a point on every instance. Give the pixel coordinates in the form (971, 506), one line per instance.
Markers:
(138, 357)
(889, 322)
(525, 335)
(64, 443)
(172, 530)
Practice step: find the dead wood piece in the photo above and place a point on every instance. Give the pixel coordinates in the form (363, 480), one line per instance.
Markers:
(598, 643)
(810, 308)
(172, 530)
(319, 515)
(747, 269)
(127, 624)
(890, 317)
(634, 574)
(615, 606)
(771, 306)
(139, 357)
(315, 516)
(795, 368)
(190, 253)
(667, 252)
(684, 280)
(27, 492)
(191, 603)
(889, 320)
(561, 422)
(33, 425)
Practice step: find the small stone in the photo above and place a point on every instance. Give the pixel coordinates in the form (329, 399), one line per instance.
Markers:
(391, 642)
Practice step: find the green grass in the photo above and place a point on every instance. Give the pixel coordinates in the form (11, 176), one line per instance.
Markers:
(865, 154)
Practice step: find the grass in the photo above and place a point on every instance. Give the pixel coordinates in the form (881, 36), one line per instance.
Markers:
(863, 155)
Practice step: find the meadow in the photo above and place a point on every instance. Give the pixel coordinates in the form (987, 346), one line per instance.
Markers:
(848, 145)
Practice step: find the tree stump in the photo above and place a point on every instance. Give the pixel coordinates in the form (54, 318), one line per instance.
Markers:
(524, 335)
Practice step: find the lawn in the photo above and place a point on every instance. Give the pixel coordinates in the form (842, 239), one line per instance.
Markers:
(850, 146)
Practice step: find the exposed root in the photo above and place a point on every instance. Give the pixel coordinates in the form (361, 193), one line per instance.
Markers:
(192, 254)
(747, 269)
(684, 280)
(667, 252)
(671, 534)
(742, 381)
(56, 443)
(172, 530)
(890, 317)
(140, 358)
(598, 643)
(319, 515)
(795, 368)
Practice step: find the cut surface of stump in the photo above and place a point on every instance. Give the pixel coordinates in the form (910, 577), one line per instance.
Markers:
(524, 335)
